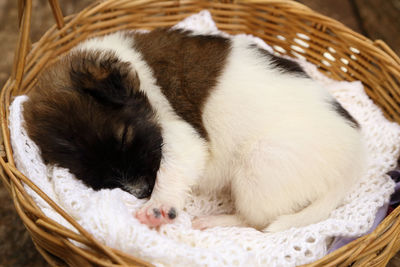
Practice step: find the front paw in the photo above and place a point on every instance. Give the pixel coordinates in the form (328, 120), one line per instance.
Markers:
(155, 214)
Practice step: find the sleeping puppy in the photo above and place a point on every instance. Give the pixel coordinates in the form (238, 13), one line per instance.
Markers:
(159, 113)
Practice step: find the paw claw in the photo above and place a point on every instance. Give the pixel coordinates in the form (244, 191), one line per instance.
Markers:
(156, 212)
(172, 213)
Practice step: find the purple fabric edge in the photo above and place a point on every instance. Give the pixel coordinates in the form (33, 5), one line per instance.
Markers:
(340, 241)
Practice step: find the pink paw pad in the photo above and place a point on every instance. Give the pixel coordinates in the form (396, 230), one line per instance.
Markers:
(154, 216)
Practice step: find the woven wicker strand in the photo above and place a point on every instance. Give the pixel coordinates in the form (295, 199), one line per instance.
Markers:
(289, 27)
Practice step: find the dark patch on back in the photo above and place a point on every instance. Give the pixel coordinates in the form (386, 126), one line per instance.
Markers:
(186, 68)
(285, 65)
(345, 114)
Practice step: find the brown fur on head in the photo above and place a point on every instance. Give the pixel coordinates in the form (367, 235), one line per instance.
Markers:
(87, 114)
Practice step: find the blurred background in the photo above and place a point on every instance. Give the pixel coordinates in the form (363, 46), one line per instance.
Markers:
(375, 19)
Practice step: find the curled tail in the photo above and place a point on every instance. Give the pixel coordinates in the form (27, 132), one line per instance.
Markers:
(317, 211)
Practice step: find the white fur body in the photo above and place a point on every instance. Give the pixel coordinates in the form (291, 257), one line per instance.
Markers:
(277, 141)
(273, 137)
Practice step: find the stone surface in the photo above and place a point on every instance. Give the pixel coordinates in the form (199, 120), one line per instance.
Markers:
(373, 18)
(339, 10)
(380, 19)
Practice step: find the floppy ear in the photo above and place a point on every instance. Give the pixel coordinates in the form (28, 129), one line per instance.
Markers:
(103, 76)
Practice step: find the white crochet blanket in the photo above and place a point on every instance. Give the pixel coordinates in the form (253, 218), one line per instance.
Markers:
(107, 214)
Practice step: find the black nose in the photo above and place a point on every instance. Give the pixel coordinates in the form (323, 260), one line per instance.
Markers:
(142, 192)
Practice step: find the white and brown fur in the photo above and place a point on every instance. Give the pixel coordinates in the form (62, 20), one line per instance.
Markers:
(230, 114)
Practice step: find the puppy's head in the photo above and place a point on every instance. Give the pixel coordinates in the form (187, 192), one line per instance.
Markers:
(87, 114)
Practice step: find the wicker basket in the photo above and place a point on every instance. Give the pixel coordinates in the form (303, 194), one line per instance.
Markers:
(290, 28)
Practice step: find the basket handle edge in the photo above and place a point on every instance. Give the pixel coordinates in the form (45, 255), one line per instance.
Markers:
(384, 47)
(24, 39)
